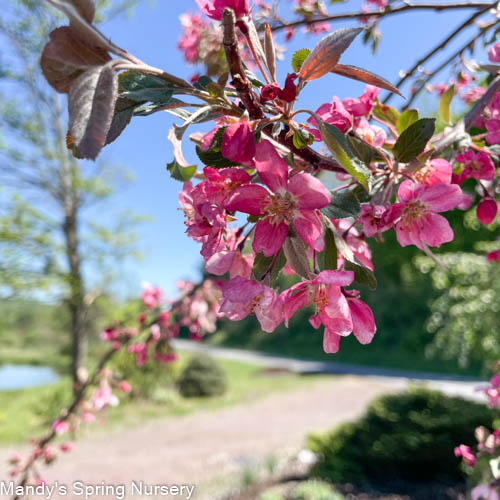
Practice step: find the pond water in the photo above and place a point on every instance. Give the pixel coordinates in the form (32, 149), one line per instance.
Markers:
(14, 377)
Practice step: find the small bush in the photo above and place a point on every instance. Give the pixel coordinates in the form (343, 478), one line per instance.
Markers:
(315, 490)
(147, 381)
(202, 377)
(409, 437)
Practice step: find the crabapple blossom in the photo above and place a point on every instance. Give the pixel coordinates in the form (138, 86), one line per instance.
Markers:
(437, 171)
(375, 219)
(215, 8)
(466, 453)
(476, 165)
(151, 295)
(363, 105)
(419, 222)
(242, 297)
(238, 143)
(333, 113)
(291, 201)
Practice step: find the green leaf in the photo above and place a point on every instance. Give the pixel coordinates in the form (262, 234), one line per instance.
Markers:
(342, 205)
(385, 113)
(445, 103)
(337, 144)
(364, 151)
(302, 138)
(298, 59)
(203, 82)
(409, 117)
(262, 264)
(143, 88)
(296, 253)
(362, 275)
(212, 157)
(414, 139)
(327, 259)
(180, 173)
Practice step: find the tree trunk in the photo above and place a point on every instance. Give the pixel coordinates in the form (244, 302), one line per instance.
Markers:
(76, 300)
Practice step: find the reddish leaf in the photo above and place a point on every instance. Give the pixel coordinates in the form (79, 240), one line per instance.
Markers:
(124, 111)
(326, 54)
(363, 75)
(80, 14)
(86, 8)
(66, 56)
(91, 103)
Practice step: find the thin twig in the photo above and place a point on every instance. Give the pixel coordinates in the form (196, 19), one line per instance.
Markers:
(389, 12)
(436, 49)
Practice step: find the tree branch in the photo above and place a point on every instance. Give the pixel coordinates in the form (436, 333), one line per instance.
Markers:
(436, 49)
(389, 12)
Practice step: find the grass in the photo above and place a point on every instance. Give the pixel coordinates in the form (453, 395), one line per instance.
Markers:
(29, 412)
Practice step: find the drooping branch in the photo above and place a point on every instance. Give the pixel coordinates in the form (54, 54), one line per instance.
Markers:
(388, 12)
(438, 48)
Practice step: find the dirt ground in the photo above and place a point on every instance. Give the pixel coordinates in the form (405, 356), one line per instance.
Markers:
(203, 448)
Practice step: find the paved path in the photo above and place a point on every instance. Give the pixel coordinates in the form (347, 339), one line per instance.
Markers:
(452, 385)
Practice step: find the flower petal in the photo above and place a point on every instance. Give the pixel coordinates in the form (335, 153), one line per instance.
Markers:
(248, 199)
(309, 227)
(331, 342)
(309, 191)
(363, 321)
(442, 197)
(269, 238)
(271, 167)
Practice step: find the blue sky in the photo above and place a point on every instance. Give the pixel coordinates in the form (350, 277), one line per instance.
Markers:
(151, 34)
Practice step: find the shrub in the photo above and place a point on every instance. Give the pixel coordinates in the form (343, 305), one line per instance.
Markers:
(409, 436)
(147, 380)
(315, 490)
(202, 377)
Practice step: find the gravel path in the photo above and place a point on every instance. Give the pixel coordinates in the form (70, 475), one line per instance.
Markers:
(195, 448)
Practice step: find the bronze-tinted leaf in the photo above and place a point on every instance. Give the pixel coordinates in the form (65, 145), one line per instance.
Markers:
(66, 56)
(80, 14)
(326, 54)
(124, 111)
(91, 104)
(363, 75)
(86, 9)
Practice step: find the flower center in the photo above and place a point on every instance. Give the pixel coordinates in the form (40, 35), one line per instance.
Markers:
(320, 297)
(413, 211)
(280, 207)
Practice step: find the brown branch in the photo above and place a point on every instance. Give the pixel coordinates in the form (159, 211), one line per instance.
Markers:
(389, 12)
(436, 49)
(443, 65)
(249, 99)
(240, 82)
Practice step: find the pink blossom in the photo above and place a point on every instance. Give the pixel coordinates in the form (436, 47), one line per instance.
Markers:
(242, 297)
(67, 447)
(374, 219)
(60, 426)
(192, 29)
(363, 105)
(291, 200)
(493, 128)
(88, 417)
(473, 94)
(140, 351)
(215, 8)
(335, 114)
(372, 134)
(166, 357)
(109, 334)
(486, 211)
(104, 397)
(358, 245)
(238, 143)
(465, 452)
(494, 53)
(333, 310)
(493, 256)
(476, 165)
(151, 295)
(124, 386)
(269, 92)
(437, 171)
(420, 223)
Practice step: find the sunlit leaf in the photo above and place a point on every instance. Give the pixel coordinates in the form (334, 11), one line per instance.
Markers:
(405, 119)
(298, 59)
(414, 140)
(445, 104)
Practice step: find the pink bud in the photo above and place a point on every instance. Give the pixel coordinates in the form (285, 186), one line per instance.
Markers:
(60, 426)
(493, 256)
(486, 211)
(67, 447)
(124, 386)
(289, 92)
(269, 92)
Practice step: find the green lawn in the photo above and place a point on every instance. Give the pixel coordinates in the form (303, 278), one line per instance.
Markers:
(26, 413)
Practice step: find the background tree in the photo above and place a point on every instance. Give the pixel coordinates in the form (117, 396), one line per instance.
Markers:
(47, 235)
